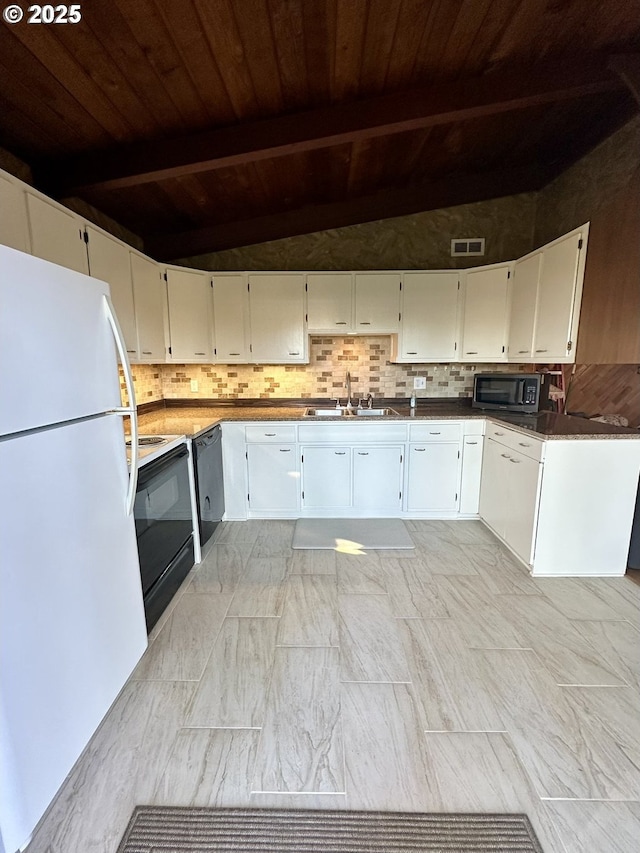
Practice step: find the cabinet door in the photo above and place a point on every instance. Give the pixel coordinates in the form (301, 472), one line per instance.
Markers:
(273, 477)
(485, 314)
(57, 234)
(524, 292)
(231, 318)
(433, 476)
(190, 325)
(521, 503)
(109, 261)
(377, 478)
(326, 477)
(471, 471)
(429, 324)
(150, 297)
(556, 294)
(277, 312)
(377, 302)
(493, 487)
(14, 225)
(329, 302)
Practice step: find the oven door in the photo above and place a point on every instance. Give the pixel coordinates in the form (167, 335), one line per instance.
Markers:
(162, 512)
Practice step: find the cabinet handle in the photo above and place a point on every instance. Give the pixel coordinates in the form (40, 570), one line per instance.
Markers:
(199, 353)
(365, 323)
(234, 353)
(505, 456)
(516, 461)
(270, 434)
(435, 433)
(362, 454)
(471, 442)
(521, 351)
(130, 350)
(524, 444)
(471, 352)
(147, 352)
(294, 353)
(498, 433)
(341, 322)
(412, 353)
(285, 450)
(419, 449)
(339, 452)
(542, 350)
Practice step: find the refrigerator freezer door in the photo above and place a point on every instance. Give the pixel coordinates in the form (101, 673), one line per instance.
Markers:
(72, 624)
(57, 353)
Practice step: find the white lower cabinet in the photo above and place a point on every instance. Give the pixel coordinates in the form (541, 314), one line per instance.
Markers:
(377, 478)
(326, 477)
(433, 467)
(273, 478)
(471, 474)
(509, 491)
(432, 483)
(365, 479)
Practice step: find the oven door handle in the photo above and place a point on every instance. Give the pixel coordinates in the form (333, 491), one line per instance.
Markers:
(130, 410)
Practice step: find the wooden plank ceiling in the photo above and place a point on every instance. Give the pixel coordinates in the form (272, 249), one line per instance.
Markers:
(207, 124)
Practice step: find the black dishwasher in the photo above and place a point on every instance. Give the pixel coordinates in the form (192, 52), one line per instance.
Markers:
(209, 483)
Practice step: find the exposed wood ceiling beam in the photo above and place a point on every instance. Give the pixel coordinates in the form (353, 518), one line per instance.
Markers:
(445, 192)
(441, 103)
(627, 66)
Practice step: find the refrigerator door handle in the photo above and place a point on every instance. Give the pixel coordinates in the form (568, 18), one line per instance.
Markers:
(131, 409)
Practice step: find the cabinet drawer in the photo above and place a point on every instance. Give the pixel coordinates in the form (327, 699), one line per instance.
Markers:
(352, 433)
(267, 433)
(435, 431)
(523, 443)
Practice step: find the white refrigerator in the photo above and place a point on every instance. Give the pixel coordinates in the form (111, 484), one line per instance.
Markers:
(72, 624)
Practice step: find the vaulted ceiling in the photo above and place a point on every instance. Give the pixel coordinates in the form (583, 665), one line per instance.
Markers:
(207, 124)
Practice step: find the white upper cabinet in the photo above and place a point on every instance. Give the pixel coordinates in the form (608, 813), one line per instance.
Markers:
(330, 302)
(231, 317)
(377, 299)
(429, 317)
(486, 303)
(109, 261)
(190, 315)
(14, 225)
(546, 296)
(559, 295)
(277, 318)
(524, 294)
(150, 298)
(57, 234)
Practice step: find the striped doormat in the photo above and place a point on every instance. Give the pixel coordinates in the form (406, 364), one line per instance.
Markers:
(153, 829)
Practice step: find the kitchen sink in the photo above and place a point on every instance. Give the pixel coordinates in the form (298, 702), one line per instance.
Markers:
(329, 412)
(333, 412)
(377, 413)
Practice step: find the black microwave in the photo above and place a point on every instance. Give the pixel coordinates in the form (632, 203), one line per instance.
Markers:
(511, 392)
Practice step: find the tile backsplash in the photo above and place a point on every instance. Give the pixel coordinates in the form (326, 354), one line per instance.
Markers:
(367, 359)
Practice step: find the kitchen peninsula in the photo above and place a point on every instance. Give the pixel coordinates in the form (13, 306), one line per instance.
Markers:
(537, 481)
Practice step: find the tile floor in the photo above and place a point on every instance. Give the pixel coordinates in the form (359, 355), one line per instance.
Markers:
(439, 679)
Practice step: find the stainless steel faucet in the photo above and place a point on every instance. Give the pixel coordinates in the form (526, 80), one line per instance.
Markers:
(347, 385)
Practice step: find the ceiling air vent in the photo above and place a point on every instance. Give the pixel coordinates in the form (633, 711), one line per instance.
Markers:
(468, 247)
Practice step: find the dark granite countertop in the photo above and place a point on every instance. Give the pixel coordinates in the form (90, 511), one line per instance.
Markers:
(191, 418)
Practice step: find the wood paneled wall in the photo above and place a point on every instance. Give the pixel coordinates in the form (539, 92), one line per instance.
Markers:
(603, 389)
(610, 315)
